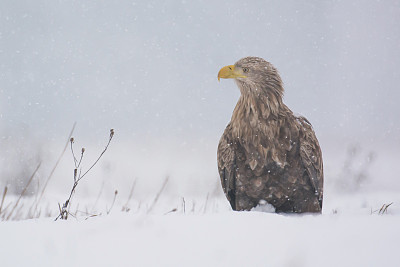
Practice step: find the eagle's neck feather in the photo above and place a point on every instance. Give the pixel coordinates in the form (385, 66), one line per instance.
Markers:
(257, 121)
(259, 102)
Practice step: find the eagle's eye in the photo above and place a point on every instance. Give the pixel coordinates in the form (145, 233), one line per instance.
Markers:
(245, 70)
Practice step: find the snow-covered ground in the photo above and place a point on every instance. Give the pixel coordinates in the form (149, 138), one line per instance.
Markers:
(350, 232)
(191, 223)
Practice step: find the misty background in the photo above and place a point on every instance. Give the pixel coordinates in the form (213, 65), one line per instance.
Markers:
(149, 69)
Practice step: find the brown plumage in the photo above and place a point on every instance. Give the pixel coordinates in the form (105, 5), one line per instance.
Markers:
(266, 153)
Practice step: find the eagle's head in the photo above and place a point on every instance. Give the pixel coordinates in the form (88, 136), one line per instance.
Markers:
(253, 74)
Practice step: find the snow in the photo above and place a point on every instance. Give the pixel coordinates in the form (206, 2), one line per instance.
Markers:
(349, 236)
(191, 224)
(263, 206)
(224, 239)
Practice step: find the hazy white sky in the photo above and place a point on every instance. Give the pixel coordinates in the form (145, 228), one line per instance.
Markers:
(149, 67)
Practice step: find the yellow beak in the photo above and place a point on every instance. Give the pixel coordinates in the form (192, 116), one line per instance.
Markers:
(229, 72)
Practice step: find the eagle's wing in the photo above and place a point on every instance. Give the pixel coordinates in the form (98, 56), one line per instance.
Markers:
(311, 156)
(227, 166)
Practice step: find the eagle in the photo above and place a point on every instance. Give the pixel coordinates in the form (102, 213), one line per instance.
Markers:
(267, 155)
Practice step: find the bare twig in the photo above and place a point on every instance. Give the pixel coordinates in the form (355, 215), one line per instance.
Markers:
(71, 142)
(64, 211)
(158, 195)
(80, 160)
(184, 205)
(104, 151)
(23, 192)
(76, 162)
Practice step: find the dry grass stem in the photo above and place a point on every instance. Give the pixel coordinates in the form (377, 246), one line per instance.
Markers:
(125, 207)
(206, 203)
(112, 205)
(23, 192)
(98, 197)
(54, 168)
(158, 195)
(384, 208)
(173, 210)
(184, 205)
(193, 206)
(2, 199)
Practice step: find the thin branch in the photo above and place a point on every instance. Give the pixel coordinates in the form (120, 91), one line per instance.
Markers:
(71, 141)
(80, 160)
(101, 154)
(64, 212)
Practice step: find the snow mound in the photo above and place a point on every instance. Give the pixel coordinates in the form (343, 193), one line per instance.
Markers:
(264, 206)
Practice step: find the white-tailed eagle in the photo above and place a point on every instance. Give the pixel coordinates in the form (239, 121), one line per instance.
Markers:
(266, 153)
